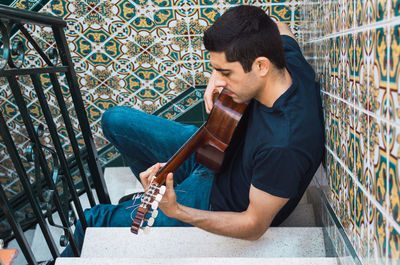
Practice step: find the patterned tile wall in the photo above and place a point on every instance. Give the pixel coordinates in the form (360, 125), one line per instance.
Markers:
(137, 53)
(354, 46)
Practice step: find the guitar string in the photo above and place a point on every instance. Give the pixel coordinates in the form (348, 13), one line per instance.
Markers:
(135, 206)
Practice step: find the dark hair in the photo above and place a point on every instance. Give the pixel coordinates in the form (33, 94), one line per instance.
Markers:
(245, 33)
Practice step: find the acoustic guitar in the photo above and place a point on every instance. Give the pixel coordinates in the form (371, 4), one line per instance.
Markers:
(209, 142)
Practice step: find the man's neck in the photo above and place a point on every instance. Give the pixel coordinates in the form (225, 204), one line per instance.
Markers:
(275, 86)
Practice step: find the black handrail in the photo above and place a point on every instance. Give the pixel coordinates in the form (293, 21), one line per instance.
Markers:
(29, 17)
(43, 206)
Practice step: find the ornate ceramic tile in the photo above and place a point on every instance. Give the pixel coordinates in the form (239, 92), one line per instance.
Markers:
(394, 73)
(394, 246)
(378, 76)
(360, 7)
(361, 225)
(330, 170)
(281, 12)
(378, 155)
(395, 8)
(359, 78)
(393, 171)
(377, 236)
(349, 19)
(361, 147)
(358, 63)
(380, 9)
(337, 44)
(338, 238)
(190, 100)
(342, 71)
(361, 69)
(347, 205)
(347, 135)
(342, 15)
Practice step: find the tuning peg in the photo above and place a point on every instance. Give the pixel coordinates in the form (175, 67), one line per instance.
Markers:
(146, 230)
(150, 221)
(154, 213)
(154, 205)
(162, 190)
(158, 197)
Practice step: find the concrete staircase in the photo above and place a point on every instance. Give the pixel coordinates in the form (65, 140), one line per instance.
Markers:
(297, 241)
(190, 245)
(198, 261)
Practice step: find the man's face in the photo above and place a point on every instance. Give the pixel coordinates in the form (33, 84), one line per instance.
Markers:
(241, 86)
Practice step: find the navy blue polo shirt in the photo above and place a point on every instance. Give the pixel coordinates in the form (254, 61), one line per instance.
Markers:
(276, 149)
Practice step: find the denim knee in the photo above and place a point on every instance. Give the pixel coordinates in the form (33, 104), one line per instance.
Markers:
(112, 120)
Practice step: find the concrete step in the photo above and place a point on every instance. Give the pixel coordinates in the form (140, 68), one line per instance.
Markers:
(189, 242)
(119, 182)
(43, 253)
(13, 244)
(302, 216)
(36, 239)
(197, 261)
(39, 245)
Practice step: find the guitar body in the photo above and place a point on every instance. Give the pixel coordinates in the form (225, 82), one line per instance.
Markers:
(220, 126)
(209, 143)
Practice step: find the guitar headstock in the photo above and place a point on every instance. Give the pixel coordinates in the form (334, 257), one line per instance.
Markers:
(148, 206)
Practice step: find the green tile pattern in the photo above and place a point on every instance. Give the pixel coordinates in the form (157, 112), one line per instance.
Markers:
(354, 47)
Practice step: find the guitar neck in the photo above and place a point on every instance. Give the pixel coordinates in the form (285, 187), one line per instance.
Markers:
(181, 155)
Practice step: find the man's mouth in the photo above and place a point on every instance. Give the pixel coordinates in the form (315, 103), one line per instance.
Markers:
(229, 93)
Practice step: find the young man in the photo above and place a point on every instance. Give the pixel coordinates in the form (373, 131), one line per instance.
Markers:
(273, 157)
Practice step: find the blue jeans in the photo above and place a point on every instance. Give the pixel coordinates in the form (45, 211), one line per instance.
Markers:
(144, 140)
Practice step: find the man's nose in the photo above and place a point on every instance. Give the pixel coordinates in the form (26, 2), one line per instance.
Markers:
(220, 78)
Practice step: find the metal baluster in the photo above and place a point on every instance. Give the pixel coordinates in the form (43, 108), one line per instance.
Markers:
(93, 163)
(57, 144)
(65, 115)
(34, 44)
(71, 134)
(49, 194)
(14, 19)
(18, 232)
(13, 152)
(35, 139)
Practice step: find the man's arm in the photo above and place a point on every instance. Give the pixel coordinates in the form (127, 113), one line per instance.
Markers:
(213, 87)
(250, 224)
(284, 29)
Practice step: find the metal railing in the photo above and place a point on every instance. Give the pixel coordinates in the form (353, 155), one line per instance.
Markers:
(54, 188)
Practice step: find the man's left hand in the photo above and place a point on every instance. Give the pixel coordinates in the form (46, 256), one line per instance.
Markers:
(168, 205)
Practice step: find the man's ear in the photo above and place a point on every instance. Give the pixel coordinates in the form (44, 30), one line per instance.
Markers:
(262, 65)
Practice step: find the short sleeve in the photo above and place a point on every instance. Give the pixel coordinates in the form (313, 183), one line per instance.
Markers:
(293, 56)
(290, 45)
(279, 171)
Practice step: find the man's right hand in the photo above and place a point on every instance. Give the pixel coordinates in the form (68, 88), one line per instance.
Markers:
(214, 86)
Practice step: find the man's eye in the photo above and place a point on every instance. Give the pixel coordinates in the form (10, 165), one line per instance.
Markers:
(225, 74)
